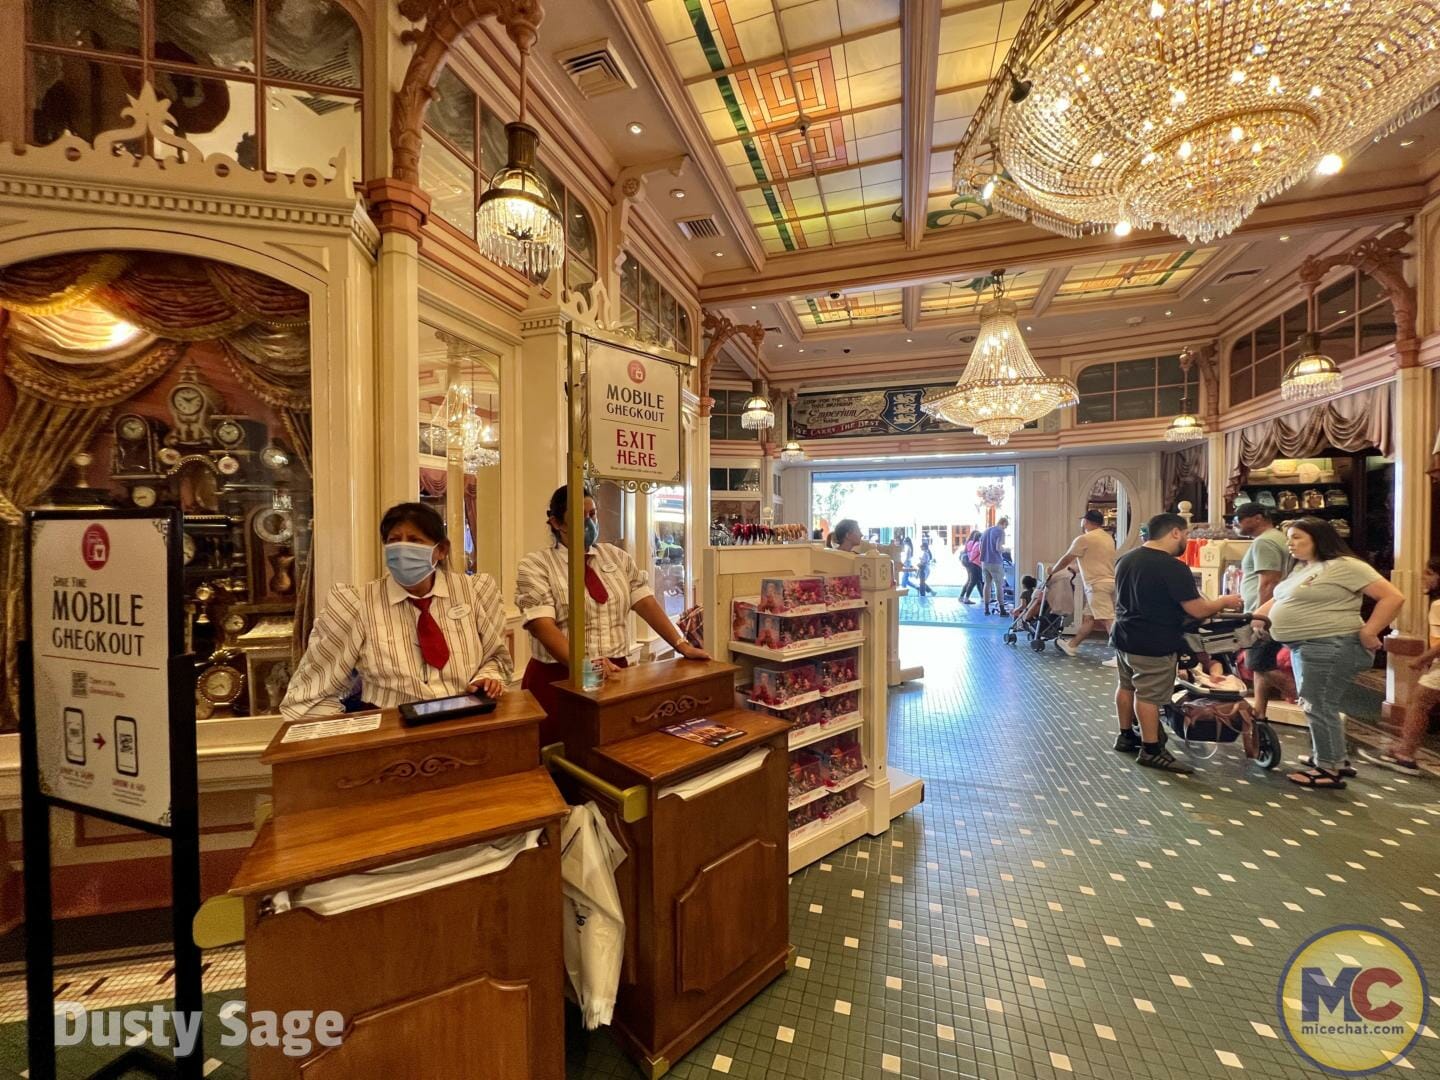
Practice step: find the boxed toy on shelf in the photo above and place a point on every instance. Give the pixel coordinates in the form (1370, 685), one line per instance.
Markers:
(840, 759)
(788, 686)
(838, 672)
(823, 809)
(843, 590)
(793, 595)
(842, 623)
(743, 616)
(806, 774)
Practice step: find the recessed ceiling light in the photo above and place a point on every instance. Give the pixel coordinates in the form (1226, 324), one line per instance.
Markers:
(637, 128)
(779, 345)
(677, 193)
(1169, 313)
(1204, 299)
(718, 254)
(1407, 142)
(799, 350)
(908, 340)
(1029, 327)
(754, 307)
(1284, 238)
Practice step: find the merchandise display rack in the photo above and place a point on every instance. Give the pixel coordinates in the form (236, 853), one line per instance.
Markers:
(884, 793)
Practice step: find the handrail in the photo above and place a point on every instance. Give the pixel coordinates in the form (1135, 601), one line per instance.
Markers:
(633, 802)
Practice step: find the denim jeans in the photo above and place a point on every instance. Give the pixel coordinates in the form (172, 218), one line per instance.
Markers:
(1324, 669)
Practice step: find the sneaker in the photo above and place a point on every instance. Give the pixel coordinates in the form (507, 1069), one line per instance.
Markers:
(1390, 761)
(1109, 663)
(1127, 742)
(1067, 646)
(1163, 760)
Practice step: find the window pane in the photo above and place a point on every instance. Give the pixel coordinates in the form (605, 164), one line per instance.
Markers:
(492, 143)
(1168, 370)
(630, 279)
(1095, 410)
(1294, 323)
(1267, 338)
(745, 479)
(667, 311)
(682, 324)
(305, 130)
(579, 233)
(667, 525)
(450, 182)
(718, 477)
(1134, 404)
(1336, 301)
(717, 431)
(1096, 379)
(1338, 342)
(1370, 291)
(1240, 386)
(452, 112)
(649, 294)
(1169, 401)
(80, 96)
(630, 318)
(578, 277)
(1377, 327)
(209, 33)
(214, 114)
(312, 41)
(1267, 375)
(733, 430)
(1132, 374)
(104, 25)
(1241, 354)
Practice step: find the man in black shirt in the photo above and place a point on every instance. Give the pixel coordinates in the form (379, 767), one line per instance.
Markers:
(1154, 596)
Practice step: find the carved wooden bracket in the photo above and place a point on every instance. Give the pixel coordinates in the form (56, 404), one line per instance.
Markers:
(721, 329)
(1382, 258)
(446, 21)
(1204, 359)
(632, 179)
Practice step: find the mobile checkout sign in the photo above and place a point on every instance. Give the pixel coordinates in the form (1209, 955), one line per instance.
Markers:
(108, 723)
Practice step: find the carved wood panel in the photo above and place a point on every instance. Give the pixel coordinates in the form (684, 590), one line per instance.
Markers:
(717, 932)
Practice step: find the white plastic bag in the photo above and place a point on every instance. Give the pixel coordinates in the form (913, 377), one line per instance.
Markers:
(594, 922)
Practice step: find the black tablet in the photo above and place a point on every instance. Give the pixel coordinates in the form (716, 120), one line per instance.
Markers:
(429, 712)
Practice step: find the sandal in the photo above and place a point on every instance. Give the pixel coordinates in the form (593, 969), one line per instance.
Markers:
(1345, 770)
(1317, 778)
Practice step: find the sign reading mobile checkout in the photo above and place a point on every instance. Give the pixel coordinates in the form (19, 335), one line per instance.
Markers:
(633, 407)
(101, 641)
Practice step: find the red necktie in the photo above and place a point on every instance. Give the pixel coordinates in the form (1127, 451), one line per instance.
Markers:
(594, 586)
(432, 638)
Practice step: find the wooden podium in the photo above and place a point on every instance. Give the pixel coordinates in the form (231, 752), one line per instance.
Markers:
(704, 884)
(459, 980)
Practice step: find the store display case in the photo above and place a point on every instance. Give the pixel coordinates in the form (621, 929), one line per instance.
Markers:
(809, 628)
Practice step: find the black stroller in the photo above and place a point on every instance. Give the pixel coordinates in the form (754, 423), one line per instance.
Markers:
(1209, 706)
(1037, 621)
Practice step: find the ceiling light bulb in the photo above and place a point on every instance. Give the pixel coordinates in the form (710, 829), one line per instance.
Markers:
(1168, 313)
(1330, 164)
(908, 340)
(677, 193)
(1237, 133)
(1256, 146)
(1122, 228)
(754, 307)
(1315, 91)
(1061, 103)
(718, 254)
(1407, 142)
(1204, 299)
(1185, 150)
(1284, 238)
(1096, 158)
(1177, 98)
(1157, 9)
(988, 189)
(637, 128)
(1148, 158)
(1237, 76)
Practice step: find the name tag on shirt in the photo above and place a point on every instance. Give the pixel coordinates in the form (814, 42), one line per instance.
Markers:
(458, 613)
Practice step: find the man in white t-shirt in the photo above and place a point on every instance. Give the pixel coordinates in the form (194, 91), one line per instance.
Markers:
(1094, 552)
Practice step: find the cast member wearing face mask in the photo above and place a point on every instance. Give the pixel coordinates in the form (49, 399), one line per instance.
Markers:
(420, 632)
(614, 587)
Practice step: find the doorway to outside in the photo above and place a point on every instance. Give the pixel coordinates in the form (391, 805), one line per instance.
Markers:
(942, 505)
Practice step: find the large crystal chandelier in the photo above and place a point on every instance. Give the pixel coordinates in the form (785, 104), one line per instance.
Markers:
(1003, 388)
(517, 220)
(1187, 114)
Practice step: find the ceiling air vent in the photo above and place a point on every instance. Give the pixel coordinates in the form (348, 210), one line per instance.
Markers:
(1237, 275)
(596, 68)
(703, 227)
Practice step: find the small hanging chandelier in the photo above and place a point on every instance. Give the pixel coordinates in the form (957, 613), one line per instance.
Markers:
(792, 452)
(759, 414)
(1187, 426)
(1312, 375)
(1003, 388)
(517, 220)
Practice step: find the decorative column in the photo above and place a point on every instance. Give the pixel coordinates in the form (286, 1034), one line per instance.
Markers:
(1204, 360)
(720, 328)
(540, 414)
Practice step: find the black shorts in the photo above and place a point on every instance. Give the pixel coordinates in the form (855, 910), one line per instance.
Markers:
(1263, 656)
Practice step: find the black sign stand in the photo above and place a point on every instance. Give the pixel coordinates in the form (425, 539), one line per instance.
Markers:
(183, 832)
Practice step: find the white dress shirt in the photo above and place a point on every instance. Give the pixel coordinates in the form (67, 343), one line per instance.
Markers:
(542, 591)
(373, 630)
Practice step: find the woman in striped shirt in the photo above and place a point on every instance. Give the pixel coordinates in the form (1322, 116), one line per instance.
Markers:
(614, 587)
(420, 632)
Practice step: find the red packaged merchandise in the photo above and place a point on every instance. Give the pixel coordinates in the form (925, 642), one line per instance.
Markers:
(840, 760)
(805, 774)
(743, 619)
(839, 670)
(842, 588)
(793, 595)
(777, 686)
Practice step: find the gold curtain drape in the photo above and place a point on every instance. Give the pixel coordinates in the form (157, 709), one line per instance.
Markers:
(1353, 422)
(262, 325)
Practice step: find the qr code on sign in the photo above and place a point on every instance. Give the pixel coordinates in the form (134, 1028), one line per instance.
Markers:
(79, 684)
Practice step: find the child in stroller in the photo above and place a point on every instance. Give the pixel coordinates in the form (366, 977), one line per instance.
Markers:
(1033, 616)
(1209, 706)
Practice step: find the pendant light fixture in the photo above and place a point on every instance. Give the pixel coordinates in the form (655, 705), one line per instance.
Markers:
(1187, 426)
(517, 220)
(1003, 388)
(1313, 374)
(758, 414)
(792, 452)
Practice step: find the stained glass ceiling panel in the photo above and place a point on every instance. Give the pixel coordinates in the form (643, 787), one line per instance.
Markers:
(965, 296)
(1137, 275)
(874, 307)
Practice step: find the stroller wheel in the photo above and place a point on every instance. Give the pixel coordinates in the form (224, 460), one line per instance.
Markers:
(1038, 644)
(1269, 751)
(1010, 638)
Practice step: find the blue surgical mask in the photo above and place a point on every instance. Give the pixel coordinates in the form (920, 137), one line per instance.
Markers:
(410, 564)
(592, 533)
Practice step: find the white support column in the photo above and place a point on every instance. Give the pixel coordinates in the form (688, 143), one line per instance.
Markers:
(1412, 437)
(540, 406)
(1216, 477)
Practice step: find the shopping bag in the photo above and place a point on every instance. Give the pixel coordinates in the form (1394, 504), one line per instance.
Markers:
(594, 922)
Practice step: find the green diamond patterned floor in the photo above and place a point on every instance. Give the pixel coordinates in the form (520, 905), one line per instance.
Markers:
(1052, 910)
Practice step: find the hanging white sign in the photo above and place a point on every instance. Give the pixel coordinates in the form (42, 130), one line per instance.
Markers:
(100, 633)
(633, 414)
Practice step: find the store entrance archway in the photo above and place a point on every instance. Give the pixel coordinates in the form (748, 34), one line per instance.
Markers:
(927, 515)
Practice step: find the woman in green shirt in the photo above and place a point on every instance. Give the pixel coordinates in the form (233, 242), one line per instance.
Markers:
(1316, 611)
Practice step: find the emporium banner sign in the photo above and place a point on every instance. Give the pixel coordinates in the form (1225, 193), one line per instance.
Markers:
(851, 414)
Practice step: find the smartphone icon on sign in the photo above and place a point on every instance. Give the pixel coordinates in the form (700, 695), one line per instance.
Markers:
(127, 748)
(75, 736)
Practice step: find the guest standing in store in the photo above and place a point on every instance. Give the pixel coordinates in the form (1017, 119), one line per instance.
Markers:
(846, 536)
(1093, 551)
(1316, 611)
(614, 587)
(1264, 564)
(420, 632)
(1401, 755)
(907, 561)
(992, 562)
(927, 565)
(970, 558)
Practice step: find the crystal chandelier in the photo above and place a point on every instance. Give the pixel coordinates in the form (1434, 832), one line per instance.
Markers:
(1312, 375)
(517, 220)
(758, 414)
(1187, 114)
(1003, 388)
(792, 452)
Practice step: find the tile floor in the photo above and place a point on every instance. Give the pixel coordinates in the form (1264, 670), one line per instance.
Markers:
(1050, 910)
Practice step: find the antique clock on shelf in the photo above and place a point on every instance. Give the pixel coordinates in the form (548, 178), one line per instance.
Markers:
(192, 403)
(220, 686)
(270, 554)
(136, 448)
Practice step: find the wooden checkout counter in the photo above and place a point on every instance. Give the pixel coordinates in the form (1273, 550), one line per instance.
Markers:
(465, 979)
